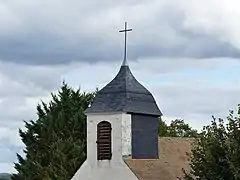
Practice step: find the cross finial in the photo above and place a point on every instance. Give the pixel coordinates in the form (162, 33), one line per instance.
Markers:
(125, 30)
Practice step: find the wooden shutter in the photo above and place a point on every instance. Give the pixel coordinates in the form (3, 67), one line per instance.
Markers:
(104, 144)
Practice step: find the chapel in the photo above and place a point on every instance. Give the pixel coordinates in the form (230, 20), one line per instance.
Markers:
(122, 123)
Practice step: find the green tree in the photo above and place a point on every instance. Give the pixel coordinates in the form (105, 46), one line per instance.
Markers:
(177, 128)
(56, 141)
(215, 153)
(162, 128)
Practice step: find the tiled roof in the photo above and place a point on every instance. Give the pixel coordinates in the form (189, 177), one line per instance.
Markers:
(124, 93)
(173, 158)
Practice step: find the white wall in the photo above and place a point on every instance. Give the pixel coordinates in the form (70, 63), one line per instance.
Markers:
(114, 169)
(116, 122)
(126, 135)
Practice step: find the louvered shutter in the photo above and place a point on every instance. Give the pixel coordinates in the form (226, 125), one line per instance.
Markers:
(104, 144)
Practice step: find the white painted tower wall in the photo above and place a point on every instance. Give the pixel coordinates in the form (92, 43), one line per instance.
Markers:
(126, 135)
(114, 169)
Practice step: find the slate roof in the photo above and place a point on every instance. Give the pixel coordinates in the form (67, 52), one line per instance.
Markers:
(125, 94)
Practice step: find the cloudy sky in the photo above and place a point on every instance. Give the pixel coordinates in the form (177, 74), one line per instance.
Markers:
(186, 52)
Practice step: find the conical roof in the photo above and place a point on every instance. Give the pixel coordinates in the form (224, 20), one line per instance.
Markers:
(124, 94)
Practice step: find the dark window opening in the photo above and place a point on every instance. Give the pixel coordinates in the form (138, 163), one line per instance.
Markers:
(104, 144)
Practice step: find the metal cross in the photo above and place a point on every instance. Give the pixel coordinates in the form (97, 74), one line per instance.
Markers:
(125, 30)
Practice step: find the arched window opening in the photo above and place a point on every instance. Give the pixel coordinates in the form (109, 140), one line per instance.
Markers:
(104, 141)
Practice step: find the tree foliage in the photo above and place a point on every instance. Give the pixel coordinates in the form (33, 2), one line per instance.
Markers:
(56, 141)
(216, 151)
(177, 128)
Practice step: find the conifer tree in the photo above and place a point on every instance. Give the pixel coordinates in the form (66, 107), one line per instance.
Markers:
(55, 143)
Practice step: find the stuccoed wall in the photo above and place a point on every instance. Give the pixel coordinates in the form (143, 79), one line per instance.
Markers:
(126, 135)
(115, 169)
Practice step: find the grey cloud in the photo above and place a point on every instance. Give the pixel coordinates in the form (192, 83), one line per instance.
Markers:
(172, 39)
(196, 103)
(7, 155)
(47, 40)
(22, 87)
(10, 144)
(46, 49)
(203, 46)
(18, 111)
(29, 80)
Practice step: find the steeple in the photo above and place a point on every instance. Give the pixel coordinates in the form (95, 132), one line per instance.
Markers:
(124, 93)
(122, 121)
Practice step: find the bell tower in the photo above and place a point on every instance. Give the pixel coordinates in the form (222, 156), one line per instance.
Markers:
(122, 121)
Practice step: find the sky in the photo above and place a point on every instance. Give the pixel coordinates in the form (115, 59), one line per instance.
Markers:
(186, 52)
